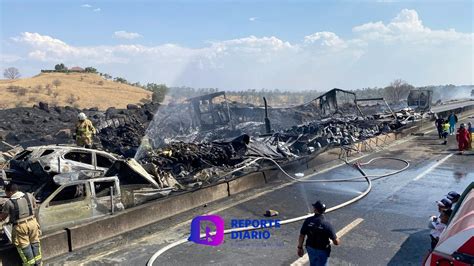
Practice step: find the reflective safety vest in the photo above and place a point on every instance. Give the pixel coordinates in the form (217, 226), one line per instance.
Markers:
(446, 127)
(22, 209)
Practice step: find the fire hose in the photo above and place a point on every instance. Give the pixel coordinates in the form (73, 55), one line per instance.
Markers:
(368, 179)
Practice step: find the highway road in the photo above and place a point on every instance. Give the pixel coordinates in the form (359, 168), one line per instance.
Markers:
(445, 107)
(388, 227)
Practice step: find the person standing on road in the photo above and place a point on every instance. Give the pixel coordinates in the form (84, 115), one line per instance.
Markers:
(84, 131)
(26, 230)
(470, 130)
(318, 232)
(439, 126)
(453, 119)
(445, 133)
(462, 136)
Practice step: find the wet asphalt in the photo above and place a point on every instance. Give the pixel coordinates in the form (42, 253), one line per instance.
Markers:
(393, 231)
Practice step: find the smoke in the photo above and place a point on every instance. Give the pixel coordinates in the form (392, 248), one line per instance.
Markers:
(451, 92)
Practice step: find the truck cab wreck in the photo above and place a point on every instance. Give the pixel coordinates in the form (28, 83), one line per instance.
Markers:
(90, 199)
(93, 183)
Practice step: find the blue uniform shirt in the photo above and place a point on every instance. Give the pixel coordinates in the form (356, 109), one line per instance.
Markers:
(318, 232)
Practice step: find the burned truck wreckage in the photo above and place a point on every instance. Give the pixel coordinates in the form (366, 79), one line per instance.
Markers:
(204, 140)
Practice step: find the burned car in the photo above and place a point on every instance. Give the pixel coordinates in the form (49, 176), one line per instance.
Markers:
(36, 166)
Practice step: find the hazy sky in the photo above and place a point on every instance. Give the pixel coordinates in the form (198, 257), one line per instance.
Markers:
(246, 44)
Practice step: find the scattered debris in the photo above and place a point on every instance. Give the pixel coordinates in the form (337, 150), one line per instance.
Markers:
(271, 213)
(120, 131)
(181, 147)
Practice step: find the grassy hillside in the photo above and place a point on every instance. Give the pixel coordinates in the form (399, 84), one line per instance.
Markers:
(82, 90)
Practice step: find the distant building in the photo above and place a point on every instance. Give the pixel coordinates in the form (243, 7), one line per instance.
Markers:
(76, 69)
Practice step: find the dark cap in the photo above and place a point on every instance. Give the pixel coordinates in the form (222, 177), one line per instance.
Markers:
(445, 203)
(319, 206)
(453, 195)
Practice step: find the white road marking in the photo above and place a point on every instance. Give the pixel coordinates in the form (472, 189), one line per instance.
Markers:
(305, 259)
(349, 227)
(433, 167)
(230, 205)
(429, 131)
(234, 203)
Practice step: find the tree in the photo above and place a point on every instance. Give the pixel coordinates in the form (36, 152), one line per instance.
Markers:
(11, 73)
(159, 92)
(56, 83)
(90, 70)
(121, 80)
(397, 90)
(136, 84)
(60, 67)
(72, 99)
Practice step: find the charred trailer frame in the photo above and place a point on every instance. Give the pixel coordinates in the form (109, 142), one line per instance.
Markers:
(420, 100)
(377, 99)
(328, 102)
(209, 115)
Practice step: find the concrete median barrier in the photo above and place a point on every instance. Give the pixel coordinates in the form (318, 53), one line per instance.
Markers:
(272, 174)
(52, 245)
(110, 226)
(323, 159)
(246, 182)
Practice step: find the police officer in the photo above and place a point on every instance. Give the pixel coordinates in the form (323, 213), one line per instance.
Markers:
(84, 131)
(26, 230)
(318, 231)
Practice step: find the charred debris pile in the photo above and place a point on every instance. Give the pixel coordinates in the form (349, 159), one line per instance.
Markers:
(119, 130)
(211, 139)
(184, 146)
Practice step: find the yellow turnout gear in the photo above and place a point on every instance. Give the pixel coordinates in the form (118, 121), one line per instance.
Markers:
(84, 132)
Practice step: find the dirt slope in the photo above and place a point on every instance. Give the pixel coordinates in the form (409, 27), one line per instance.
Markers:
(81, 90)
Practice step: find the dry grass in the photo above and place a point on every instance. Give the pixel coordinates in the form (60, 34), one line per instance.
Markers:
(90, 89)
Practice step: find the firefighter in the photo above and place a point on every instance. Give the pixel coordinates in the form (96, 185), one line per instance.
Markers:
(26, 230)
(84, 131)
